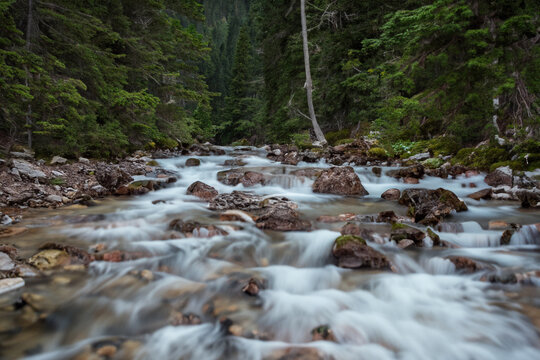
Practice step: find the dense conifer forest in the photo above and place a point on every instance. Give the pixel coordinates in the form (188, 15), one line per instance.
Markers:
(104, 78)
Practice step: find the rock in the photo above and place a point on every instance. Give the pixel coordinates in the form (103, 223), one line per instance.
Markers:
(234, 162)
(236, 200)
(415, 171)
(339, 181)
(281, 218)
(419, 157)
(236, 215)
(84, 161)
(507, 236)
(28, 170)
(377, 171)
(6, 263)
(405, 244)
(7, 285)
(387, 217)
(402, 232)
(498, 225)
(322, 333)
(202, 191)
(22, 155)
(465, 264)
(482, 194)
(178, 319)
(352, 252)
(54, 255)
(112, 177)
(54, 199)
(310, 173)
(11, 231)
(501, 176)
(252, 287)
(58, 160)
(429, 206)
(391, 194)
(108, 351)
(337, 218)
(234, 177)
(529, 198)
(411, 180)
(194, 229)
(5, 220)
(193, 162)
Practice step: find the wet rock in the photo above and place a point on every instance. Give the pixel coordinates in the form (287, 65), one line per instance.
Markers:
(402, 232)
(6, 263)
(391, 194)
(482, 194)
(58, 160)
(178, 319)
(234, 177)
(339, 181)
(54, 255)
(430, 206)
(387, 217)
(529, 198)
(236, 215)
(234, 162)
(322, 333)
(337, 218)
(108, 351)
(7, 285)
(112, 177)
(405, 244)
(411, 180)
(191, 162)
(252, 288)
(507, 236)
(465, 264)
(501, 176)
(194, 229)
(281, 218)
(54, 199)
(236, 200)
(498, 225)
(5, 220)
(415, 171)
(26, 169)
(353, 252)
(377, 171)
(291, 158)
(202, 191)
(11, 231)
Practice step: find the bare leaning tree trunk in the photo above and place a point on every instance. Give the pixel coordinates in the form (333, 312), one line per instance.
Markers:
(309, 83)
(27, 80)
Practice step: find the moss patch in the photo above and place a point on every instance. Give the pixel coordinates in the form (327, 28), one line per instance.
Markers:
(378, 153)
(344, 239)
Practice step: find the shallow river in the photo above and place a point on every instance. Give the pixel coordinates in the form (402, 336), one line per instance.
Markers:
(425, 310)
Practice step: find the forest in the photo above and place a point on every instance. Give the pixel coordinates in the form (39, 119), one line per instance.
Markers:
(104, 78)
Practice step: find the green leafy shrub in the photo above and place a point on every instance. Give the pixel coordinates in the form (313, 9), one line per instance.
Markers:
(334, 136)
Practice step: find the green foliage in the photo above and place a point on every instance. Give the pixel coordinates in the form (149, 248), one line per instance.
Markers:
(481, 158)
(333, 137)
(378, 153)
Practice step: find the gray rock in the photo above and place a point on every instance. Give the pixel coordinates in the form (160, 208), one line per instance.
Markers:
(419, 157)
(5, 220)
(54, 198)
(84, 160)
(7, 285)
(6, 263)
(58, 160)
(28, 170)
(57, 173)
(22, 155)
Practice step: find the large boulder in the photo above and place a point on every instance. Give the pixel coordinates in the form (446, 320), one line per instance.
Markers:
(391, 194)
(339, 181)
(202, 191)
(281, 218)
(236, 200)
(430, 206)
(415, 171)
(501, 176)
(352, 252)
(529, 198)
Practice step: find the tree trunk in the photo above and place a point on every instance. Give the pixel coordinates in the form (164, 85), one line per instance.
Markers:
(309, 83)
(27, 80)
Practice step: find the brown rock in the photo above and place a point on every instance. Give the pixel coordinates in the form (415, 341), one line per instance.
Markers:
(323, 333)
(387, 217)
(252, 287)
(202, 191)
(391, 194)
(429, 206)
(353, 252)
(339, 181)
(405, 244)
(338, 218)
(415, 171)
(501, 176)
(234, 177)
(482, 194)
(465, 264)
(411, 180)
(281, 218)
(193, 162)
(402, 232)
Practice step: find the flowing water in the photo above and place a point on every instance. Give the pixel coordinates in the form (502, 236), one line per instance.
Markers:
(425, 310)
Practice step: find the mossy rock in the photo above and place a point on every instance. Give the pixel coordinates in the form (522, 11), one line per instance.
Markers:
(434, 237)
(344, 239)
(396, 226)
(433, 163)
(481, 158)
(152, 163)
(378, 153)
(57, 181)
(514, 165)
(344, 141)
